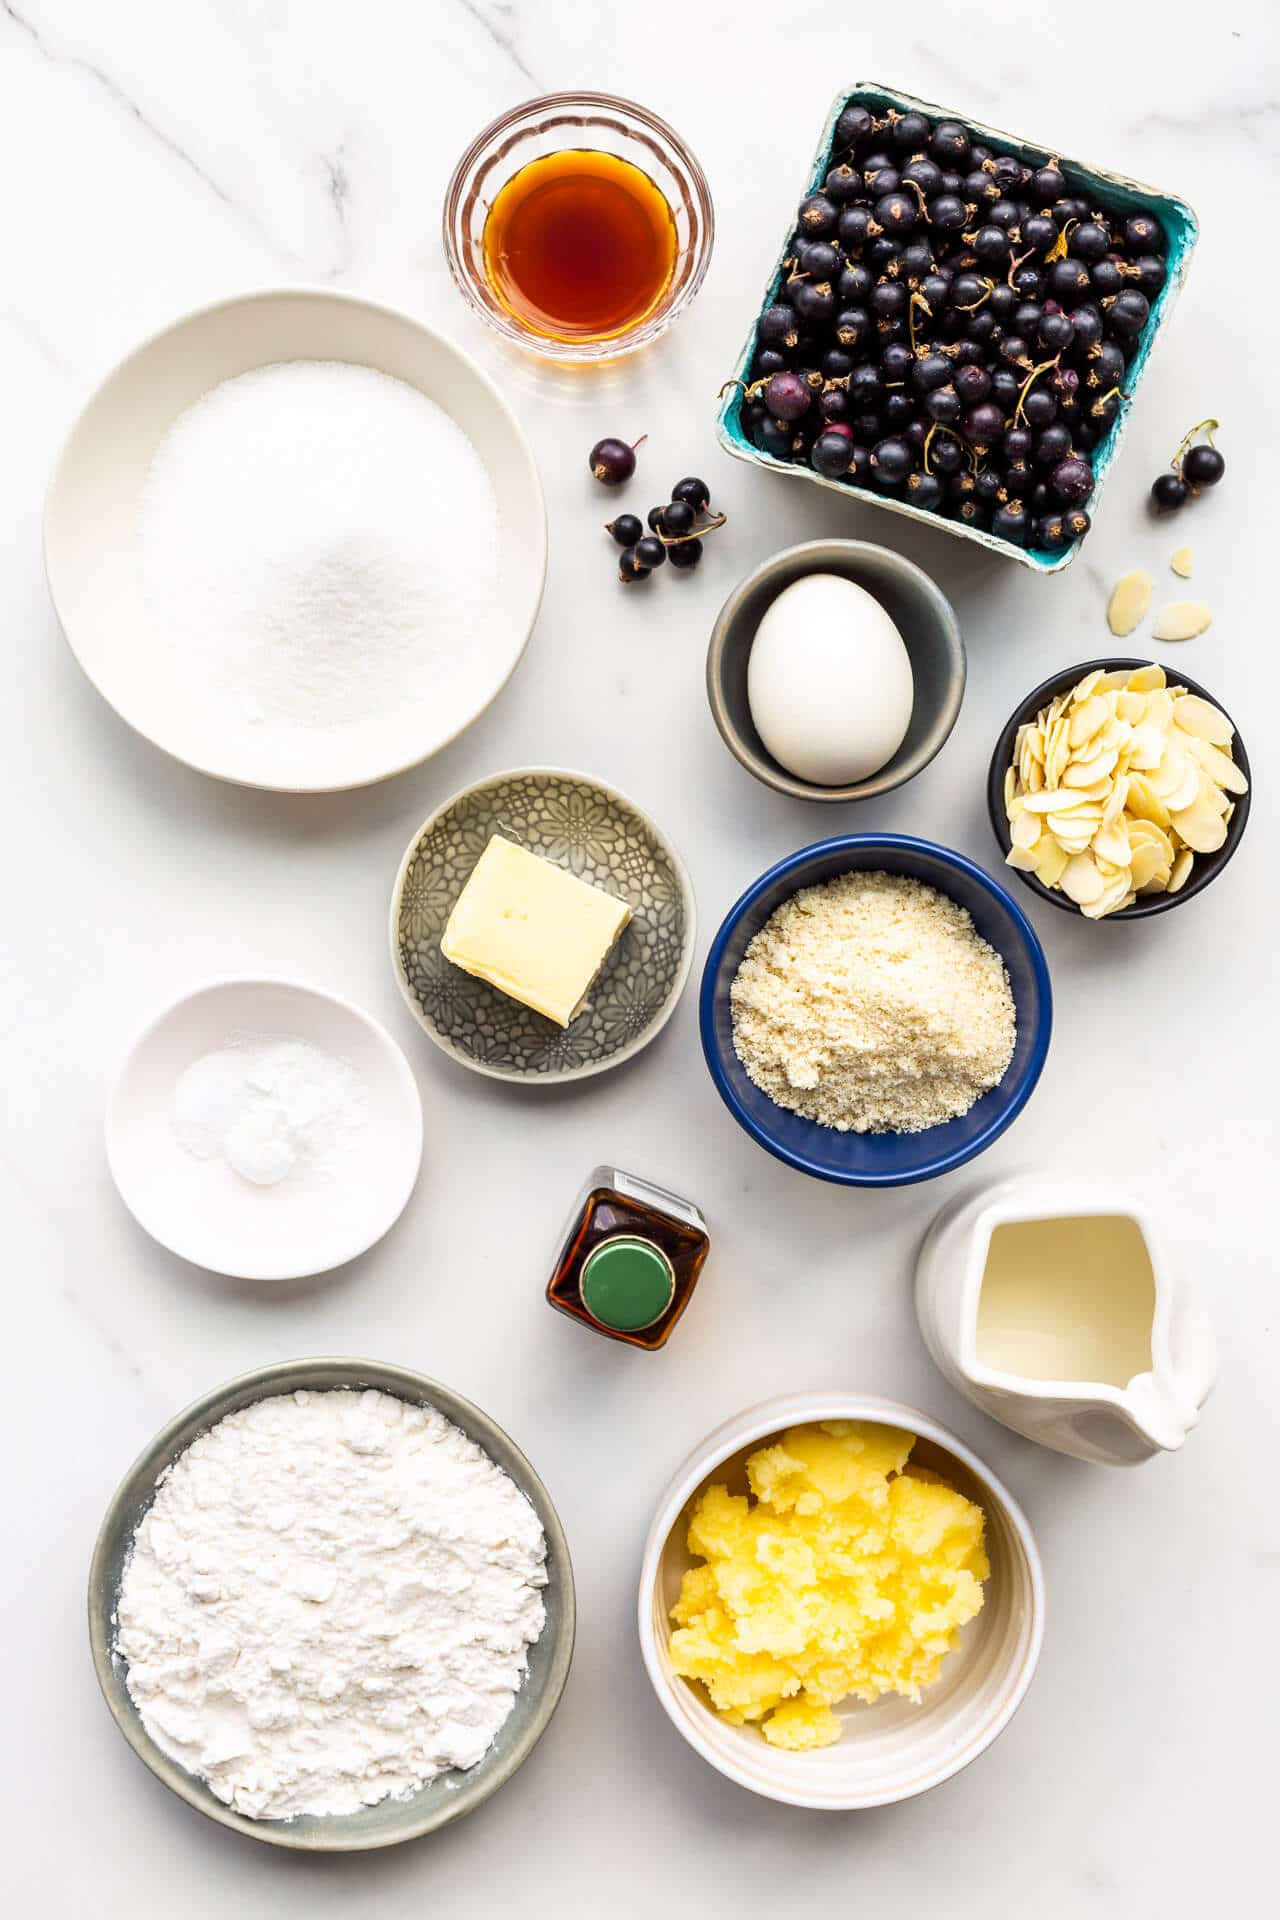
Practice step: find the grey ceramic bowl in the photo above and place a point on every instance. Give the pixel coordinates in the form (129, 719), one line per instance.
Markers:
(592, 830)
(923, 616)
(450, 1795)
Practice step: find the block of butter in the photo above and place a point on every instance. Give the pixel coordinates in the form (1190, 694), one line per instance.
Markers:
(532, 930)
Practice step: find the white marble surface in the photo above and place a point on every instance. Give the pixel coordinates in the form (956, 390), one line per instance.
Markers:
(159, 156)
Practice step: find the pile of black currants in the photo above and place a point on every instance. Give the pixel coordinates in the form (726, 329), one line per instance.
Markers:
(953, 328)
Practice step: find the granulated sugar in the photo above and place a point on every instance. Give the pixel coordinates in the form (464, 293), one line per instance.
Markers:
(318, 543)
(872, 1005)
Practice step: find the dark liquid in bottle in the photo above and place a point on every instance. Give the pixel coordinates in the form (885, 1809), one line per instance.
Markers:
(606, 1214)
(580, 245)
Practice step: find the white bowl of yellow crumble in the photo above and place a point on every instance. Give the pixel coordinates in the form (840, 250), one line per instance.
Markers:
(840, 1604)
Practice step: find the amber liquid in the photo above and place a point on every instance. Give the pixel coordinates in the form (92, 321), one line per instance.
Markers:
(580, 245)
(604, 1214)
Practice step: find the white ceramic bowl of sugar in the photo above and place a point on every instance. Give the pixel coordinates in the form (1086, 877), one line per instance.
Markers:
(896, 1748)
(94, 564)
(354, 1167)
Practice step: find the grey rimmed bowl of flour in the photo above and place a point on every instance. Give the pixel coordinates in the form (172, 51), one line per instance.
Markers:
(250, 540)
(452, 1793)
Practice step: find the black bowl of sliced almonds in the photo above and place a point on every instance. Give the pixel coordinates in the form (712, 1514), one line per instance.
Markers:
(1118, 789)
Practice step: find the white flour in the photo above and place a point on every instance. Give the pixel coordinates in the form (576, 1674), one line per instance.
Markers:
(269, 1108)
(318, 545)
(330, 1600)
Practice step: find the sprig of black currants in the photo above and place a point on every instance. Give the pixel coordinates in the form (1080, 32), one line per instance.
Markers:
(1190, 470)
(676, 532)
(953, 328)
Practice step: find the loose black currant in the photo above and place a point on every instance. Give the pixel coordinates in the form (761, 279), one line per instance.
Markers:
(1203, 466)
(626, 529)
(696, 493)
(686, 555)
(1169, 491)
(612, 461)
(650, 551)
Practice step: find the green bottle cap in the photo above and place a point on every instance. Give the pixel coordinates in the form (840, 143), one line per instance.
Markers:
(627, 1284)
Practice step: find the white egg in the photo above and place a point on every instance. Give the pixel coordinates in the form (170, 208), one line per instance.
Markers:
(829, 682)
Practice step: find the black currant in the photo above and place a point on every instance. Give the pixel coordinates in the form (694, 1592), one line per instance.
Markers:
(677, 518)
(891, 463)
(626, 529)
(817, 216)
(650, 551)
(1169, 490)
(696, 493)
(612, 461)
(777, 328)
(950, 143)
(1203, 466)
(686, 555)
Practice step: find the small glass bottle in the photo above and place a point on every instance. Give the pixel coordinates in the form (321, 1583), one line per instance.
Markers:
(630, 1258)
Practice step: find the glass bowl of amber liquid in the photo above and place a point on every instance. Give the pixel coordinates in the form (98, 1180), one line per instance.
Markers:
(578, 226)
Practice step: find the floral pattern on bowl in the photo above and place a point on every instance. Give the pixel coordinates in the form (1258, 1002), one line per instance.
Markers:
(594, 832)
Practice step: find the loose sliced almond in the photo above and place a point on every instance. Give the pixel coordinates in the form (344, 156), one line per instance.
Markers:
(1130, 598)
(1181, 564)
(1182, 620)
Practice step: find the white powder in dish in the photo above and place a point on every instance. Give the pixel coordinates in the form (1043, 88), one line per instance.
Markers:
(318, 543)
(330, 1601)
(871, 1004)
(268, 1107)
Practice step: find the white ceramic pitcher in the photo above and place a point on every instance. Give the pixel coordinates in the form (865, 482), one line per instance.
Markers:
(1115, 1425)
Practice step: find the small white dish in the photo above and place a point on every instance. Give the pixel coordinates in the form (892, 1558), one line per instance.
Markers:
(207, 1213)
(91, 514)
(894, 1749)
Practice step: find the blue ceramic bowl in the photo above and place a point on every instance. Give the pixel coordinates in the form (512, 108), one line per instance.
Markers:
(879, 1159)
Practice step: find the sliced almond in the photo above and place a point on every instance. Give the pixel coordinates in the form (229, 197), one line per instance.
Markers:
(1111, 842)
(1081, 880)
(1182, 620)
(1026, 829)
(1022, 858)
(1218, 765)
(1130, 599)
(1200, 717)
(1181, 564)
(1201, 828)
(1144, 679)
(1146, 862)
(1181, 870)
(1051, 860)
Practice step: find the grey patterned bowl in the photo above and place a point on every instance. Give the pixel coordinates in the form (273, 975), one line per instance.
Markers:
(603, 837)
(451, 1794)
